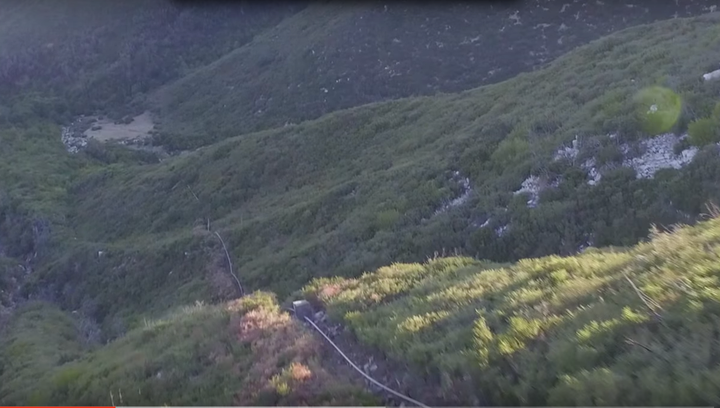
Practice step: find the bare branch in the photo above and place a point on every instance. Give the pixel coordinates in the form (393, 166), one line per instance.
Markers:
(713, 210)
(193, 193)
(636, 343)
(649, 302)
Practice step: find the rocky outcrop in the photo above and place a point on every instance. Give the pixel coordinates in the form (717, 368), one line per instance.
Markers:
(659, 154)
(73, 136)
(73, 140)
(712, 75)
(594, 175)
(568, 152)
(532, 186)
(464, 183)
(571, 153)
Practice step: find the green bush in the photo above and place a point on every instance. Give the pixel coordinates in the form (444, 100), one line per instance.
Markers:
(704, 131)
(511, 151)
(716, 112)
(610, 153)
(386, 219)
(553, 330)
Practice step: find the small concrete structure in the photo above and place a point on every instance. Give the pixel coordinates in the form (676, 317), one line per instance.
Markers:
(303, 309)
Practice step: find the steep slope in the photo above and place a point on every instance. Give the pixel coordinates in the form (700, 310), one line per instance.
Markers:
(61, 59)
(608, 327)
(365, 187)
(120, 240)
(244, 352)
(101, 55)
(328, 58)
(634, 326)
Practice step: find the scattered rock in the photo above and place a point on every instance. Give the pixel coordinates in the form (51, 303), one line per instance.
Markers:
(593, 172)
(712, 75)
(319, 317)
(532, 185)
(568, 152)
(659, 154)
(370, 366)
(73, 142)
(464, 183)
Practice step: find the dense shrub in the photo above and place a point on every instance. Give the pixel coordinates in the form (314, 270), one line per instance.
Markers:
(704, 131)
(605, 327)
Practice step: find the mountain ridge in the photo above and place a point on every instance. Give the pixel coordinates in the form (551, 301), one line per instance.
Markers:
(374, 52)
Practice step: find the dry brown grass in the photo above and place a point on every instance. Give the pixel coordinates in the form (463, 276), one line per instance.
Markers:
(299, 372)
(273, 337)
(330, 290)
(285, 368)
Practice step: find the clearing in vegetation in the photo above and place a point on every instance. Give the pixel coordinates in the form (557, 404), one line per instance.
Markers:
(107, 129)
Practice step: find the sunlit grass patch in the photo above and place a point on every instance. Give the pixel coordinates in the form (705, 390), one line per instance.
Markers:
(541, 327)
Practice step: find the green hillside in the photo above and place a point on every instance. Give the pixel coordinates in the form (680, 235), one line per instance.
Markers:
(245, 352)
(332, 57)
(608, 327)
(116, 268)
(106, 56)
(635, 326)
(359, 189)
